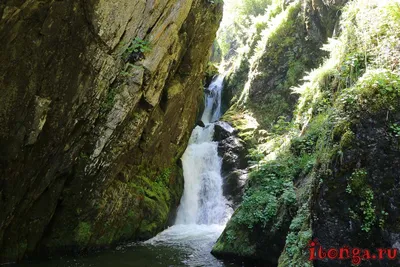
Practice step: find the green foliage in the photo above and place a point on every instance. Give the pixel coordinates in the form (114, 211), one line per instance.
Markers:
(84, 156)
(376, 90)
(395, 129)
(271, 185)
(303, 145)
(126, 72)
(356, 182)
(382, 219)
(136, 49)
(230, 236)
(276, 65)
(352, 68)
(255, 156)
(281, 126)
(252, 7)
(289, 194)
(296, 253)
(368, 210)
(263, 207)
(296, 70)
(359, 79)
(138, 45)
(358, 187)
(239, 16)
(307, 144)
(211, 70)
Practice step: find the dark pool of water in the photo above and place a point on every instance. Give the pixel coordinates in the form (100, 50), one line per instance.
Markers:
(177, 246)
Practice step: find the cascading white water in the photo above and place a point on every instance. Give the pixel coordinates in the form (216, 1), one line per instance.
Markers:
(204, 210)
(202, 201)
(212, 111)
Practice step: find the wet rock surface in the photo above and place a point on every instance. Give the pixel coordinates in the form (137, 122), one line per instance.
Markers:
(234, 162)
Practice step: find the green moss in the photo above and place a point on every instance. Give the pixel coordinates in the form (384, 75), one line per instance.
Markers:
(130, 224)
(83, 233)
(340, 128)
(107, 238)
(159, 215)
(236, 241)
(244, 122)
(347, 139)
(152, 190)
(357, 182)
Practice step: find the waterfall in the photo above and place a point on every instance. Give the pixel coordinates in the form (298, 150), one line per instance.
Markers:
(203, 211)
(212, 111)
(202, 201)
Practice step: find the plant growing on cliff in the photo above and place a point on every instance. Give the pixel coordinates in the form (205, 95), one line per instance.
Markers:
(358, 188)
(281, 126)
(297, 240)
(127, 71)
(138, 45)
(368, 210)
(136, 50)
(395, 129)
(263, 207)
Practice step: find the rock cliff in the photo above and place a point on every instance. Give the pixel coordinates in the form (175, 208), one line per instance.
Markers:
(284, 46)
(329, 172)
(98, 99)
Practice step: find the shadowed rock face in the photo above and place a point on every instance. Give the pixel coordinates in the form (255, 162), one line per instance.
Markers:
(369, 160)
(88, 143)
(233, 152)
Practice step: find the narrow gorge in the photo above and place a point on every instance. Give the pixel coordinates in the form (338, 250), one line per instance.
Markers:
(199, 133)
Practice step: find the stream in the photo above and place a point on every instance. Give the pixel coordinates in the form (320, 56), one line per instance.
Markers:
(201, 216)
